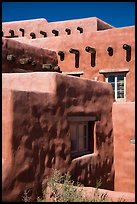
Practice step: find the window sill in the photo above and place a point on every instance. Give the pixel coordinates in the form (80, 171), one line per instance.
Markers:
(120, 100)
(78, 156)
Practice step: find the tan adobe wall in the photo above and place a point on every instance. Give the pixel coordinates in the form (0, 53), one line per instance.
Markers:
(124, 146)
(112, 196)
(89, 192)
(36, 25)
(38, 108)
(29, 25)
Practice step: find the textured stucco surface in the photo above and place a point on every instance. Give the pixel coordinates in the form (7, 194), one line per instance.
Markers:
(23, 51)
(53, 96)
(124, 149)
(99, 40)
(39, 139)
(89, 192)
(112, 196)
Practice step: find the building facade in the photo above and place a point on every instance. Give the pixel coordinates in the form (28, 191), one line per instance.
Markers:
(91, 52)
(89, 48)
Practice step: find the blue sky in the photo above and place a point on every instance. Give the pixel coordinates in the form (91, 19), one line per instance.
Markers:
(118, 14)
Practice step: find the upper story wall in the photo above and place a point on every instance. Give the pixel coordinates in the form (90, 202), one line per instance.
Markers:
(37, 25)
(100, 40)
(96, 34)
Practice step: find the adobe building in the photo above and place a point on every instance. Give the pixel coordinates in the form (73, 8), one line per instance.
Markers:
(83, 87)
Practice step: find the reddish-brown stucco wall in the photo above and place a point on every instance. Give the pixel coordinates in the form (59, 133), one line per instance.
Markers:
(99, 40)
(40, 137)
(87, 168)
(124, 149)
(23, 51)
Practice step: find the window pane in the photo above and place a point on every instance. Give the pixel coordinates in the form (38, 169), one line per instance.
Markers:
(81, 137)
(120, 86)
(111, 78)
(85, 136)
(120, 94)
(113, 86)
(120, 77)
(73, 132)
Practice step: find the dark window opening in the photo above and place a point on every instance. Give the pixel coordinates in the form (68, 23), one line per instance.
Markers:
(82, 138)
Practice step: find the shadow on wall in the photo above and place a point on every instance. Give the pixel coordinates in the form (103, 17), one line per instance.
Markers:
(84, 172)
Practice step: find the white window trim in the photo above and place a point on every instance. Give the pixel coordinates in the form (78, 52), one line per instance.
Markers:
(116, 74)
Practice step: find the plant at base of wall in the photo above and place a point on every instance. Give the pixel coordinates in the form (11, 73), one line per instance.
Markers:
(60, 188)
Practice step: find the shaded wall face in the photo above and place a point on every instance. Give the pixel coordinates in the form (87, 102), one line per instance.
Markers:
(124, 146)
(19, 57)
(100, 40)
(44, 142)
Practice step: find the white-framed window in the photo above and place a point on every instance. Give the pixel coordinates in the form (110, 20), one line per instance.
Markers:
(118, 82)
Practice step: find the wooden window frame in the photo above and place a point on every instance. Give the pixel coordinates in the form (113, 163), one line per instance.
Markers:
(89, 122)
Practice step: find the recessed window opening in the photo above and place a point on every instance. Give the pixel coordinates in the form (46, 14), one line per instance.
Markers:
(82, 138)
(118, 82)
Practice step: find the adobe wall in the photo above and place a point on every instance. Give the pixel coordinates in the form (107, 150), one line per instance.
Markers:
(112, 196)
(39, 139)
(26, 58)
(89, 193)
(36, 25)
(124, 146)
(29, 25)
(99, 40)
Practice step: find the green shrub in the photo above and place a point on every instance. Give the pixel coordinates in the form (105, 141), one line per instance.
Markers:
(60, 188)
(26, 197)
(63, 189)
(97, 197)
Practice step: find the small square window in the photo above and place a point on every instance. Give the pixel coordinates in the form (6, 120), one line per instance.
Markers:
(82, 139)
